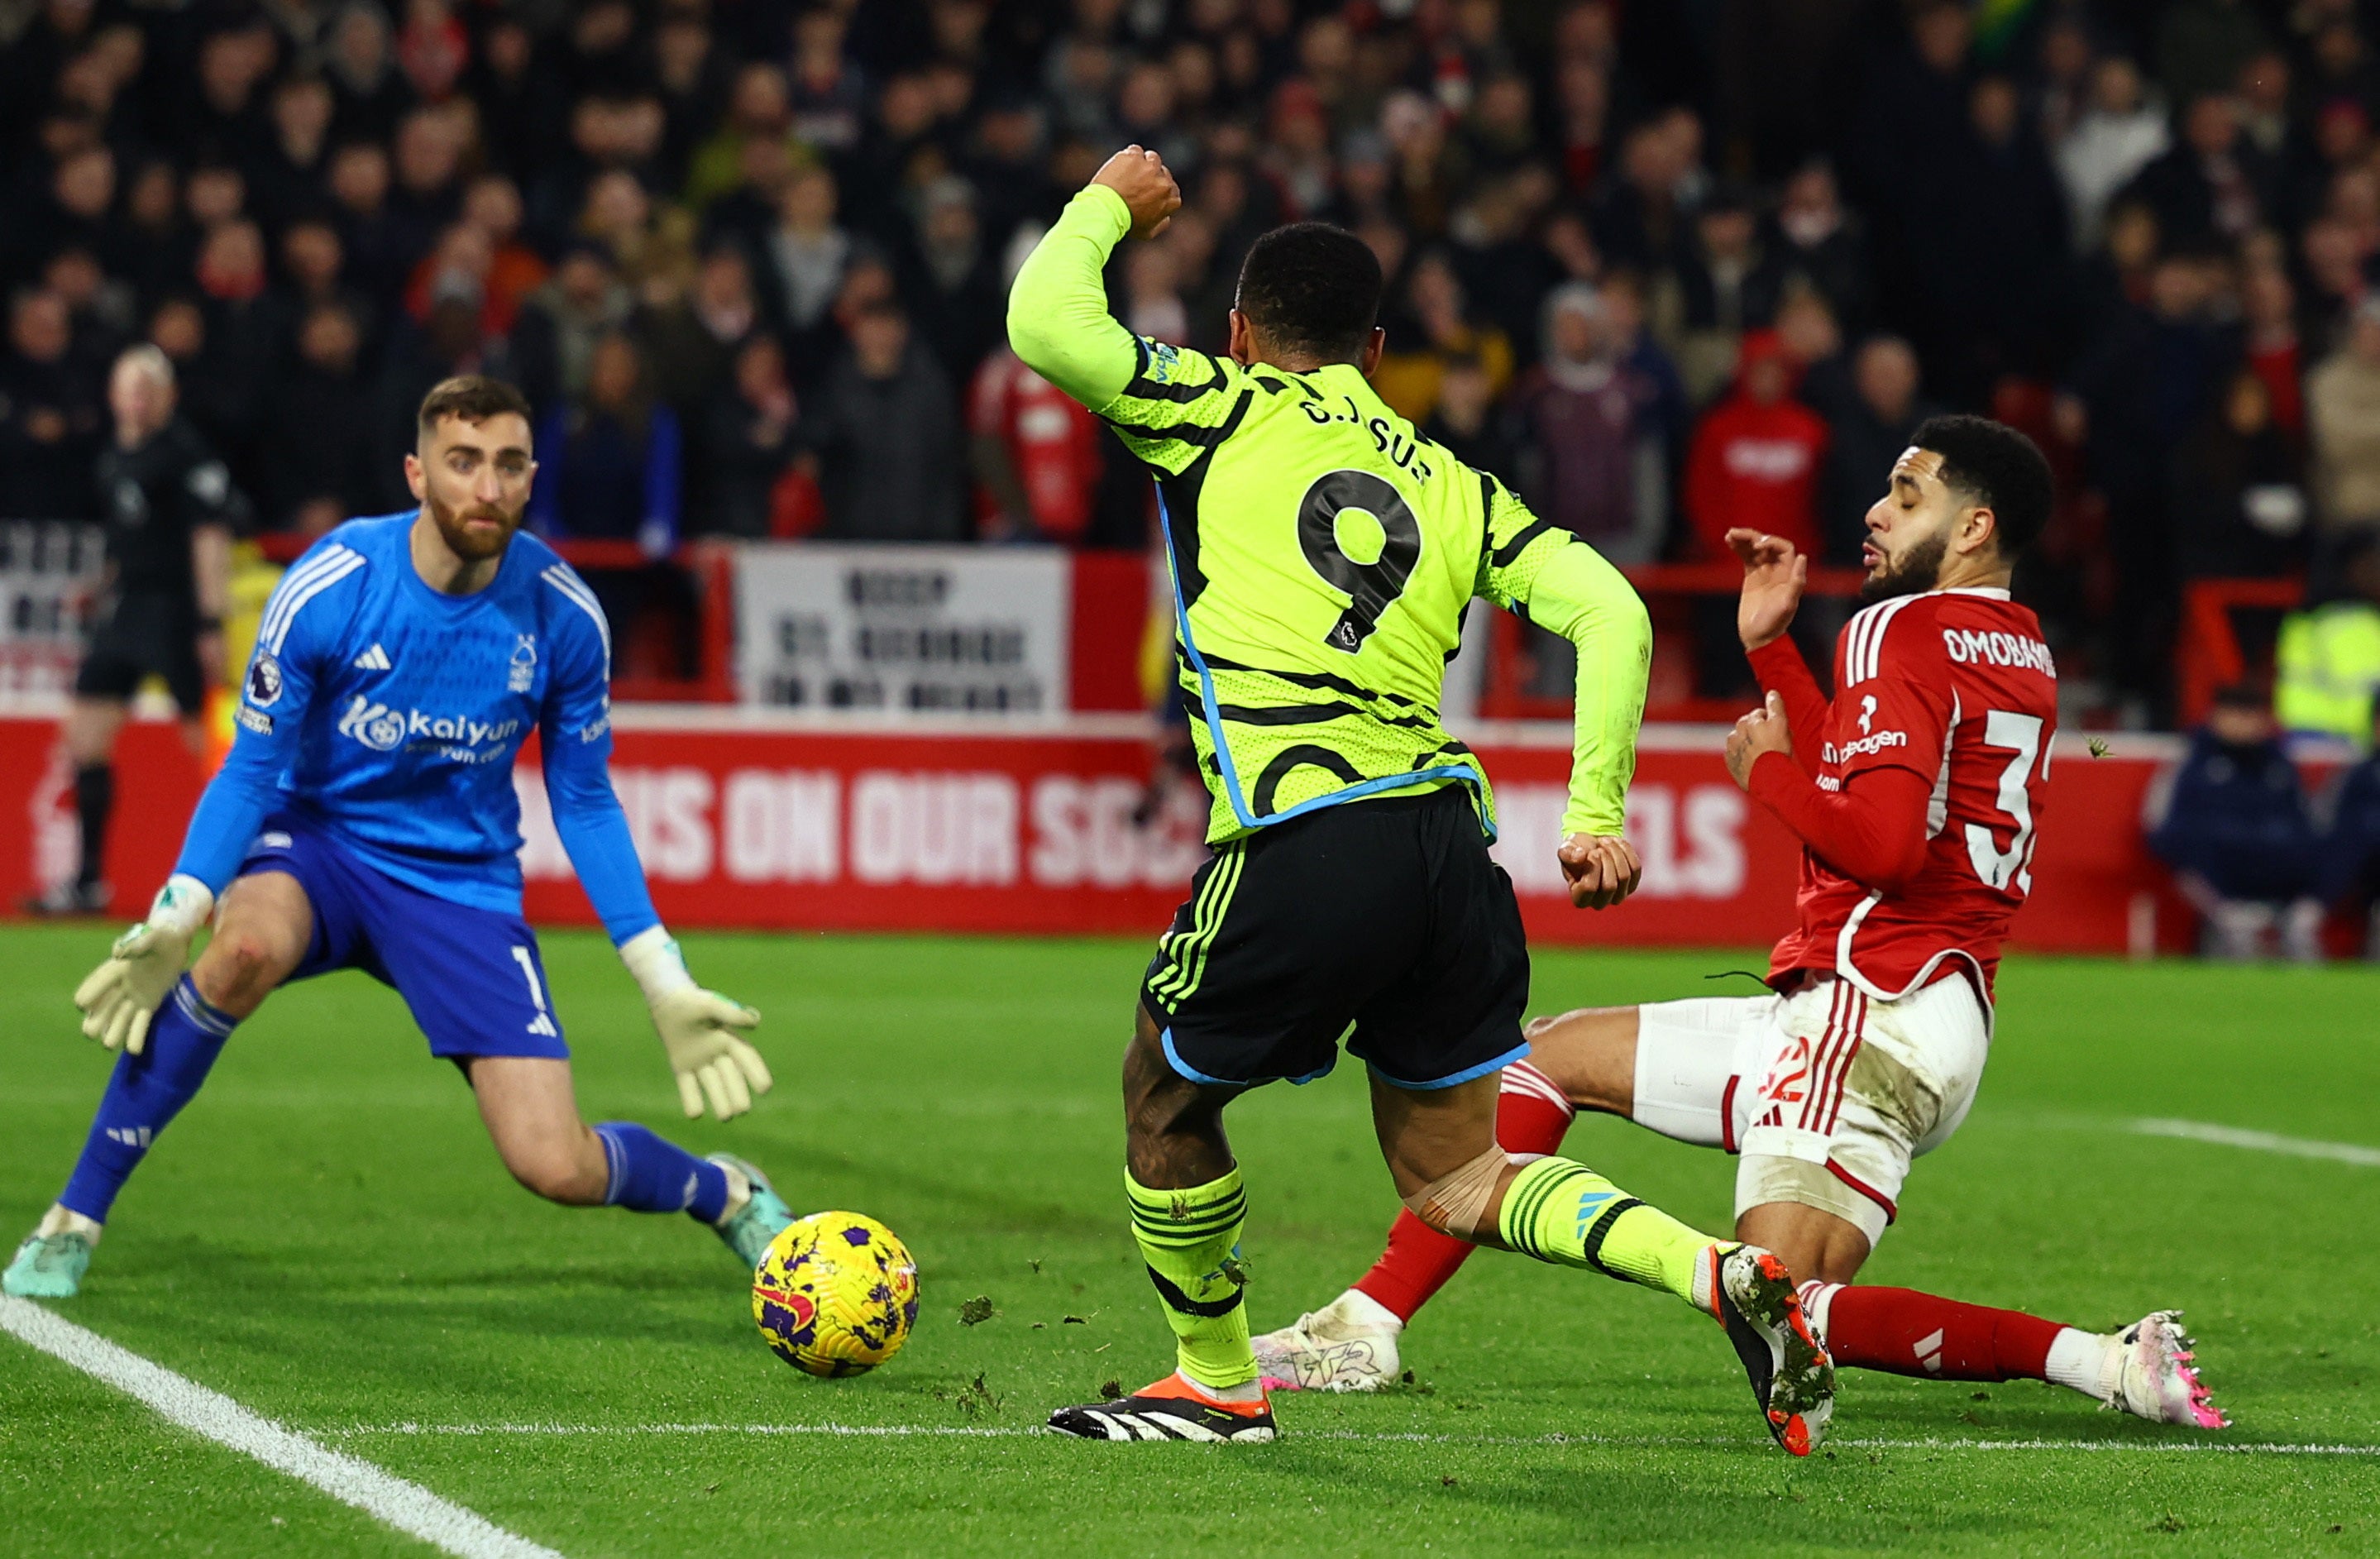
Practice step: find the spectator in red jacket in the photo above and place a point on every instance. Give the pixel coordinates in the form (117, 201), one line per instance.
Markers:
(1758, 457)
(1035, 452)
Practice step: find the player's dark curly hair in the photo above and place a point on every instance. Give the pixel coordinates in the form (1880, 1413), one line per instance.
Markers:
(474, 397)
(1997, 467)
(1310, 287)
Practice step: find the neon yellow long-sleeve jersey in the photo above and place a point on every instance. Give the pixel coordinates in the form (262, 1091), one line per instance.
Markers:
(1324, 554)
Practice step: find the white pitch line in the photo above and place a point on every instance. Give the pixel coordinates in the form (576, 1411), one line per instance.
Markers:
(408, 1507)
(1629, 1442)
(2262, 1141)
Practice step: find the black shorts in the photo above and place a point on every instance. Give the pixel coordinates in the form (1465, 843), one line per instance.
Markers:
(140, 634)
(1389, 915)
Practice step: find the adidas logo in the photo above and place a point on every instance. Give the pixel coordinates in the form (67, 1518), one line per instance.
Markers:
(541, 1024)
(373, 659)
(130, 1135)
(1590, 1203)
(1929, 1351)
(693, 1184)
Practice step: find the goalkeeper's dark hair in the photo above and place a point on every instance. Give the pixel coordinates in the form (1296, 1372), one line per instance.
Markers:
(1310, 287)
(1997, 467)
(474, 397)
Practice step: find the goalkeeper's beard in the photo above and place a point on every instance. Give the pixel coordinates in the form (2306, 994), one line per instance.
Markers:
(474, 545)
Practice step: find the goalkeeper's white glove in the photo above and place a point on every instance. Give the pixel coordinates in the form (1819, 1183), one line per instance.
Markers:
(124, 993)
(701, 1029)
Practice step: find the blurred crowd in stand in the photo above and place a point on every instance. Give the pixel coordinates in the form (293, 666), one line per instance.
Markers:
(1667, 267)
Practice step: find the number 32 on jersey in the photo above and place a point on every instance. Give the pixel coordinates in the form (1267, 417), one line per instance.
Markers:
(2019, 737)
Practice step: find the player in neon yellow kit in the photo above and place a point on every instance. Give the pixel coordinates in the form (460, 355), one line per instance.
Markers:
(1323, 554)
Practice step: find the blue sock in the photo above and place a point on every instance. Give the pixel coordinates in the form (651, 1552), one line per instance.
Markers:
(650, 1174)
(146, 1091)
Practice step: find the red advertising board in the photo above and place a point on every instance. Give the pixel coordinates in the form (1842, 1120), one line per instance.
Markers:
(752, 820)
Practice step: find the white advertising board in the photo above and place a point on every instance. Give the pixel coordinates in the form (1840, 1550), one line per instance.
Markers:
(902, 630)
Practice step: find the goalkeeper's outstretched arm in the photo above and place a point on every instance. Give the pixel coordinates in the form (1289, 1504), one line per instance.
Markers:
(1554, 580)
(700, 1031)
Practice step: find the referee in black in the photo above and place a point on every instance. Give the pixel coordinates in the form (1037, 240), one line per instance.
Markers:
(170, 511)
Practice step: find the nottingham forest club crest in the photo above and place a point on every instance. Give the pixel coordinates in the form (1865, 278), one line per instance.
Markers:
(523, 666)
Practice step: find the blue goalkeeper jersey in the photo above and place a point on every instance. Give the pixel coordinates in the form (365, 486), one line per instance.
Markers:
(389, 714)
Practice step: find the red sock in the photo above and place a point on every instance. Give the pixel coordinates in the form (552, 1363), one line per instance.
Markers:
(1531, 1117)
(1902, 1331)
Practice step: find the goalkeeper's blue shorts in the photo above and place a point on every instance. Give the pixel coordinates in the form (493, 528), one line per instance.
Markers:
(473, 977)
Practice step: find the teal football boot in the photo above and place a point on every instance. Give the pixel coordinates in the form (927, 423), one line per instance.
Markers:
(749, 1231)
(48, 1267)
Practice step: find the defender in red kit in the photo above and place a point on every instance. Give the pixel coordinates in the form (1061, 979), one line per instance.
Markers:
(1917, 791)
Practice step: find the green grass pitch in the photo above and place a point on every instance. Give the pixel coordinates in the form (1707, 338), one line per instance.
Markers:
(326, 1236)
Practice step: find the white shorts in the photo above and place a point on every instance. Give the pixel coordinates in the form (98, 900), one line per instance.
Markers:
(1825, 1093)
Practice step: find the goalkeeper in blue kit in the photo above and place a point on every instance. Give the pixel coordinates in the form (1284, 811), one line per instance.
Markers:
(366, 819)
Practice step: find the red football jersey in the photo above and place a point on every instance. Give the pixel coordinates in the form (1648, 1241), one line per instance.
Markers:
(1054, 442)
(1957, 687)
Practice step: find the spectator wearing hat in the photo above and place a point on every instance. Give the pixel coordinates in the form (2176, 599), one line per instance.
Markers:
(954, 279)
(1757, 460)
(1758, 457)
(1583, 429)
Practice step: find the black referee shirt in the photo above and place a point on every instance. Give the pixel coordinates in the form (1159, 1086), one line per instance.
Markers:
(151, 498)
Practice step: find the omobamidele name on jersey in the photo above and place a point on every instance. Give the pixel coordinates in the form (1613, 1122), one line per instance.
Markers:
(1957, 687)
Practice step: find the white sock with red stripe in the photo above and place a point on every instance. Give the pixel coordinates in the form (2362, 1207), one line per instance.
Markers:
(1817, 1305)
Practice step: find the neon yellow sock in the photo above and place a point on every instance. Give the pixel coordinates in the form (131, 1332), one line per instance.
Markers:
(1190, 1241)
(1564, 1212)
